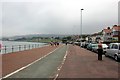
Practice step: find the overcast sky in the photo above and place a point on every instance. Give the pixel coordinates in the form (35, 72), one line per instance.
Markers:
(21, 17)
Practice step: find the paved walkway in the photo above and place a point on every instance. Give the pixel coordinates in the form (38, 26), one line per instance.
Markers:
(16, 60)
(81, 63)
(44, 68)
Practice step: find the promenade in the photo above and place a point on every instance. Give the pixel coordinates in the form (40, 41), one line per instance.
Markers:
(16, 60)
(66, 62)
(81, 63)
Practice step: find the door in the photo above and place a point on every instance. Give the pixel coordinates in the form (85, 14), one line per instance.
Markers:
(109, 50)
(114, 50)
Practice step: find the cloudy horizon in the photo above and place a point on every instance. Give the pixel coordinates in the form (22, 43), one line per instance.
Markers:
(56, 16)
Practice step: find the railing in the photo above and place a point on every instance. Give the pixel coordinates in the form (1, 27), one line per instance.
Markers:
(16, 48)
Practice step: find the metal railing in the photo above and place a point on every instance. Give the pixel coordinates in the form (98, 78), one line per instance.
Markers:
(16, 48)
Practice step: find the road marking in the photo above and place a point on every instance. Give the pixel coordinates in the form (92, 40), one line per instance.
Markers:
(29, 64)
(60, 67)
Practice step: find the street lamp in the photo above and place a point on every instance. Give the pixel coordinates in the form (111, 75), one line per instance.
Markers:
(81, 23)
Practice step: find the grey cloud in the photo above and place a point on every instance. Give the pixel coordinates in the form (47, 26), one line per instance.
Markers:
(57, 17)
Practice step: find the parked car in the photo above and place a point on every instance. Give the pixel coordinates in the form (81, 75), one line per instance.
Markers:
(104, 47)
(94, 47)
(77, 43)
(86, 44)
(113, 51)
(90, 46)
(82, 44)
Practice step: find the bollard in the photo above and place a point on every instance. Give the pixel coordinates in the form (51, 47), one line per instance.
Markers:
(5, 49)
(19, 47)
(29, 46)
(24, 47)
(12, 48)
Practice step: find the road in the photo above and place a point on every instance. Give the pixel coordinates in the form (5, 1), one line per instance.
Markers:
(44, 68)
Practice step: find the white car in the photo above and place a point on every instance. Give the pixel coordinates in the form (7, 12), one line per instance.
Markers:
(95, 48)
(113, 51)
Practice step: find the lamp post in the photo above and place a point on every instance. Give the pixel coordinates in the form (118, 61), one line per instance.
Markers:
(81, 23)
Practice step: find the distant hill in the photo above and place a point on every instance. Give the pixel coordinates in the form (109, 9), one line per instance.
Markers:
(45, 35)
(33, 35)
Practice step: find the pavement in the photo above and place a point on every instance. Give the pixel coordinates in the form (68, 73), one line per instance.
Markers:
(71, 63)
(14, 61)
(81, 63)
(44, 68)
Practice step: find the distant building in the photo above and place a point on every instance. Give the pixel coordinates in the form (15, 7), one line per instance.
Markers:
(88, 39)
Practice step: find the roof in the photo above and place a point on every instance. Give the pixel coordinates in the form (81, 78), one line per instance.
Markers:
(107, 30)
(116, 28)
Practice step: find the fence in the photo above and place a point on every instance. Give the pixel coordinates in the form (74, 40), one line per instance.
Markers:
(16, 48)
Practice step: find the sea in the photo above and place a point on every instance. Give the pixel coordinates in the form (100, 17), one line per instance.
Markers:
(15, 46)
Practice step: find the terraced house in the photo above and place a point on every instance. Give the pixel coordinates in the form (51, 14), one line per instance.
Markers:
(115, 33)
(107, 35)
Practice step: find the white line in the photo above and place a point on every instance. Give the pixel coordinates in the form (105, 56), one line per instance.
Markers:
(29, 64)
(61, 65)
(56, 77)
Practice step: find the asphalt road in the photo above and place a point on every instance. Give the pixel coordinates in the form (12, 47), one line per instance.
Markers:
(45, 68)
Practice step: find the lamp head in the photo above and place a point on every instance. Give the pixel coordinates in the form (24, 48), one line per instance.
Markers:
(82, 9)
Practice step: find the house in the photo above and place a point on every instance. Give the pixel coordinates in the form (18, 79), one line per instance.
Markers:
(116, 33)
(96, 37)
(107, 35)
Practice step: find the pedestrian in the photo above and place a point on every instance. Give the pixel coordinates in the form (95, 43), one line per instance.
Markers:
(57, 43)
(100, 51)
(54, 43)
(51, 43)
(66, 43)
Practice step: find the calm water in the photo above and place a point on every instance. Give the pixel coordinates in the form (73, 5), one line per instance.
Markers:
(14, 46)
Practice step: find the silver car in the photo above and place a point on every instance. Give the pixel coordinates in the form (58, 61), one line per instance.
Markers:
(113, 51)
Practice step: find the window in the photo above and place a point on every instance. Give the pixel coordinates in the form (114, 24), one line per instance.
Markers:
(110, 46)
(114, 46)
